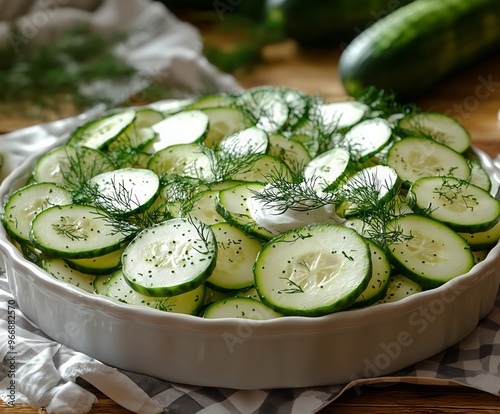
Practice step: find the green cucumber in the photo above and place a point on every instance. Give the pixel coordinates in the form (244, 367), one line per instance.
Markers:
(170, 258)
(427, 251)
(439, 127)
(60, 270)
(99, 265)
(416, 157)
(419, 44)
(75, 231)
(331, 22)
(462, 206)
(100, 132)
(399, 287)
(313, 270)
(236, 253)
(240, 307)
(483, 240)
(24, 204)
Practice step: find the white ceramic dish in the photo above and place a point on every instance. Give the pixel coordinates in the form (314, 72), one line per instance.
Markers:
(235, 353)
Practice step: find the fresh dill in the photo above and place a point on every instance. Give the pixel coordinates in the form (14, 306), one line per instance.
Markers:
(294, 287)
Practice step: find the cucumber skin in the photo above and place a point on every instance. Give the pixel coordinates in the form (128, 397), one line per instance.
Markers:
(320, 23)
(420, 44)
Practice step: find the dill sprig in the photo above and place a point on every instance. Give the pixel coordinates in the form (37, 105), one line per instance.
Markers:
(296, 194)
(384, 104)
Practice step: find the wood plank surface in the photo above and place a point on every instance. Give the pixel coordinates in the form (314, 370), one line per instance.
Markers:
(473, 97)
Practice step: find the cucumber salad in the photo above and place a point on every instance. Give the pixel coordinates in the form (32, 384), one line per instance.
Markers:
(258, 205)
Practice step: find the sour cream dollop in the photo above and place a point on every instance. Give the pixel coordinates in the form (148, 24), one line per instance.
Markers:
(273, 218)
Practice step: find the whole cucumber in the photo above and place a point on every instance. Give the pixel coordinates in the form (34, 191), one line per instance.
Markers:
(328, 22)
(418, 45)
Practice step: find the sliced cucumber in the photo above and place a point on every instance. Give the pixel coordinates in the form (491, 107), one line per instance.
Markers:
(126, 191)
(327, 170)
(438, 126)
(399, 287)
(61, 271)
(136, 139)
(239, 307)
(483, 240)
(372, 186)
(188, 303)
(313, 270)
(462, 206)
(147, 117)
(343, 114)
(292, 152)
(24, 204)
(232, 205)
(183, 159)
(416, 157)
(170, 258)
(216, 100)
(99, 265)
(202, 207)
(75, 232)
(101, 132)
(479, 176)
(267, 106)
(236, 254)
(368, 137)
(101, 284)
(380, 277)
(181, 128)
(69, 166)
(223, 122)
(249, 141)
(427, 251)
(262, 168)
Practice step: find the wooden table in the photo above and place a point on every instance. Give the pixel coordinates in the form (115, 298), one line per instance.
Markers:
(462, 96)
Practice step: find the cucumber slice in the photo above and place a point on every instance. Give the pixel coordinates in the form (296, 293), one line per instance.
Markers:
(188, 303)
(232, 205)
(24, 204)
(202, 207)
(399, 287)
(437, 126)
(181, 128)
(262, 168)
(60, 270)
(75, 232)
(137, 139)
(216, 100)
(267, 106)
(370, 186)
(343, 114)
(313, 270)
(99, 265)
(380, 277)
(368, 137)
(223, 122)
(170, 258)
(479, 176)
(183, 159)
(427, 251)
(238, 307)
(251, 140)
(100, 132)
(101, 284)
(483, 240)
(126, 191)
(70, 166)
(147, 117)
(416, 157)
(292, 152)
(462, 206)
(236, 254)
(328, 169)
